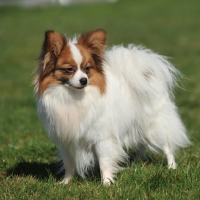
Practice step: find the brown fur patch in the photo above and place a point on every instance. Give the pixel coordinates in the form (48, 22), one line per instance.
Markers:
(55, 74)
(93, 44)
(49, 80)
(98, 79)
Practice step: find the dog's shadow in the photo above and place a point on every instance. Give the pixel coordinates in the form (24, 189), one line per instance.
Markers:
(40, 171)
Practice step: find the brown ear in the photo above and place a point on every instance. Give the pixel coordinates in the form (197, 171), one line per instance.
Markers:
(53, 42)
(94, 40)
(52, 46)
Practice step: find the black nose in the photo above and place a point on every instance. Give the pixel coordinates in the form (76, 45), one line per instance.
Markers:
(83, 81)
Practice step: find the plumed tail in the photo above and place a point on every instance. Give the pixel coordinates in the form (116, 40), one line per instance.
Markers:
(147, 72)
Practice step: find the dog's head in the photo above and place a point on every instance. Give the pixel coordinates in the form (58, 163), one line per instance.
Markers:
(73, 64)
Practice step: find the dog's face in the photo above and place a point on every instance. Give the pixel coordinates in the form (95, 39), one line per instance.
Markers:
(73, 65)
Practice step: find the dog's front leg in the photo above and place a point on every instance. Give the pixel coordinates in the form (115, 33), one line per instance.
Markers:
(69, 166)
(107, 161)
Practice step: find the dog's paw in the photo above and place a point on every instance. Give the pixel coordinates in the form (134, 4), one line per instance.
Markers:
(65, 180)
(108, 181)
(172, 166)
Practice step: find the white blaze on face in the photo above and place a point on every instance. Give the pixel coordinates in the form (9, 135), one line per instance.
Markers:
(76, 54)
(79, 74)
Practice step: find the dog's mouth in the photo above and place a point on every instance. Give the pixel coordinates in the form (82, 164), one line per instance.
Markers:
(77, 88)
(69, 85)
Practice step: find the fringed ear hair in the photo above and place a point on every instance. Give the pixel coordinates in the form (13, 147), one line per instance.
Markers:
(95, 42)
(53, 42)
(52, 46)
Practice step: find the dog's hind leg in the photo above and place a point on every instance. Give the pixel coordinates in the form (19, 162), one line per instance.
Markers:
(141, 154)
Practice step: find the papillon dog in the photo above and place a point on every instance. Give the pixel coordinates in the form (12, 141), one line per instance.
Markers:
(96, 103)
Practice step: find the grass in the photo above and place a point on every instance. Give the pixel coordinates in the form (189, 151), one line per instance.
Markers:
(27, 156)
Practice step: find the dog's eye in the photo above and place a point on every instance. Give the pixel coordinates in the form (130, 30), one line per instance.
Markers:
(69, 70)
(87, 69)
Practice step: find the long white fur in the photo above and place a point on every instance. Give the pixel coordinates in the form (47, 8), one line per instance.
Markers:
(136, 111)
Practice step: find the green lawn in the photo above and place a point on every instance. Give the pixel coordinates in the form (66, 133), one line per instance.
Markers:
(27, 156)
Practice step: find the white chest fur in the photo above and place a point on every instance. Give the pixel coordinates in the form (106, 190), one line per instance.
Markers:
(69, 114)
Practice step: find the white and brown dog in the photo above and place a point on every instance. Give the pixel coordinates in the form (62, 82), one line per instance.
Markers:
(95, 103)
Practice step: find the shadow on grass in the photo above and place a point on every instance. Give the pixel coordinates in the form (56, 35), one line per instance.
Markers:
(39, 171)
(43, 171)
